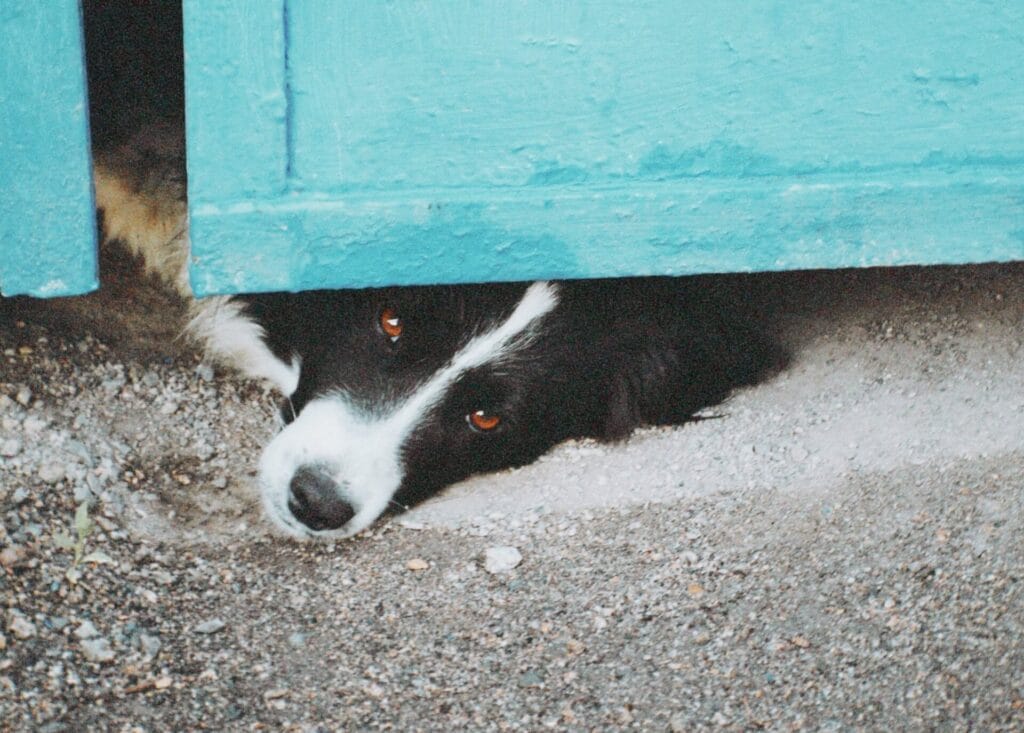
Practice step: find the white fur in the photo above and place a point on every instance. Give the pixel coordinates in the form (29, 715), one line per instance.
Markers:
(364, 450)
(231, 337)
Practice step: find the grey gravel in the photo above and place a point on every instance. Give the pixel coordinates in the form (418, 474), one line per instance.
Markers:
(842, 550)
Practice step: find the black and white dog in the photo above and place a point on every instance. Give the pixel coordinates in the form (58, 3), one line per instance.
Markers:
(394, 394)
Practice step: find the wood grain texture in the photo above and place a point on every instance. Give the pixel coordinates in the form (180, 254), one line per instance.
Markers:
(47, 221)
(416, 141)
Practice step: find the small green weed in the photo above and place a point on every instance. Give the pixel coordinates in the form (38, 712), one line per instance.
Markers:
(83, 526)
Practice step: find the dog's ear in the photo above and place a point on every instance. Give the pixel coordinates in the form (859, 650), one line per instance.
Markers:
(624, 412)
(651, 383)
(634, 382)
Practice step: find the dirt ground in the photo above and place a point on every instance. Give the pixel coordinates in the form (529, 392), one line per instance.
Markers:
(842, 548)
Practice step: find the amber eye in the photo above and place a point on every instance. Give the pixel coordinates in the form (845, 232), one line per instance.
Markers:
(390, 324)
(483, 421)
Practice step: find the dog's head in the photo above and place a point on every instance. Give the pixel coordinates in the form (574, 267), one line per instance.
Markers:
(396, 393)
(399, 393)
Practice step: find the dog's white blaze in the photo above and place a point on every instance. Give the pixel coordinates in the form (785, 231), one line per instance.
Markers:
(231, 337)
(538, 300)
(365, 450)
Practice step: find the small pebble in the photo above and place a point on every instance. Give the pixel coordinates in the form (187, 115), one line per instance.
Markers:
(97, 650)
(168, 408)
(79, 450)
(530, 679)
(205, 372)
(501, 559)
(51, 473)
(13, 555)
(417, 563)
(210, 627)
(20, 626)
(150, 644)
(23, 395)
(113, 385)
(86, 630)
(10, 448)
(34, 424)
(82, 493)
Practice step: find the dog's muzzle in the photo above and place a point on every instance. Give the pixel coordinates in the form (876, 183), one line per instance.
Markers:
(316, 499)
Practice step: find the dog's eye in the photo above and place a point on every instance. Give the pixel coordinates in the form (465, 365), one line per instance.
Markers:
(483, 421)
(390, 324)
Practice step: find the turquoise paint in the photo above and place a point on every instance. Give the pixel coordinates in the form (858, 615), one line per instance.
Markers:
(236, 99)
(683, 228)
(337, 145)
(47, 222)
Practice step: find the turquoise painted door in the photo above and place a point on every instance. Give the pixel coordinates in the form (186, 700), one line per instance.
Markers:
(347, 144)
(47, 221)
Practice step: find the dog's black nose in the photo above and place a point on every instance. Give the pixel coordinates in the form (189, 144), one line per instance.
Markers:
(315, 501)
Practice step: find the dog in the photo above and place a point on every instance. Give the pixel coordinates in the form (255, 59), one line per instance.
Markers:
(392, 394)
(389, 395)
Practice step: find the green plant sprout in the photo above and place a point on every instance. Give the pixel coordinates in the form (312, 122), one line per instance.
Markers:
(83, 526)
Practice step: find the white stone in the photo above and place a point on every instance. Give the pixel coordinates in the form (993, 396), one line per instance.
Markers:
(501, 559)
(86, 630)
(97, 650)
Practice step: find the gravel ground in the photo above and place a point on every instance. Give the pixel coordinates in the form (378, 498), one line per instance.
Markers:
(842, 549)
